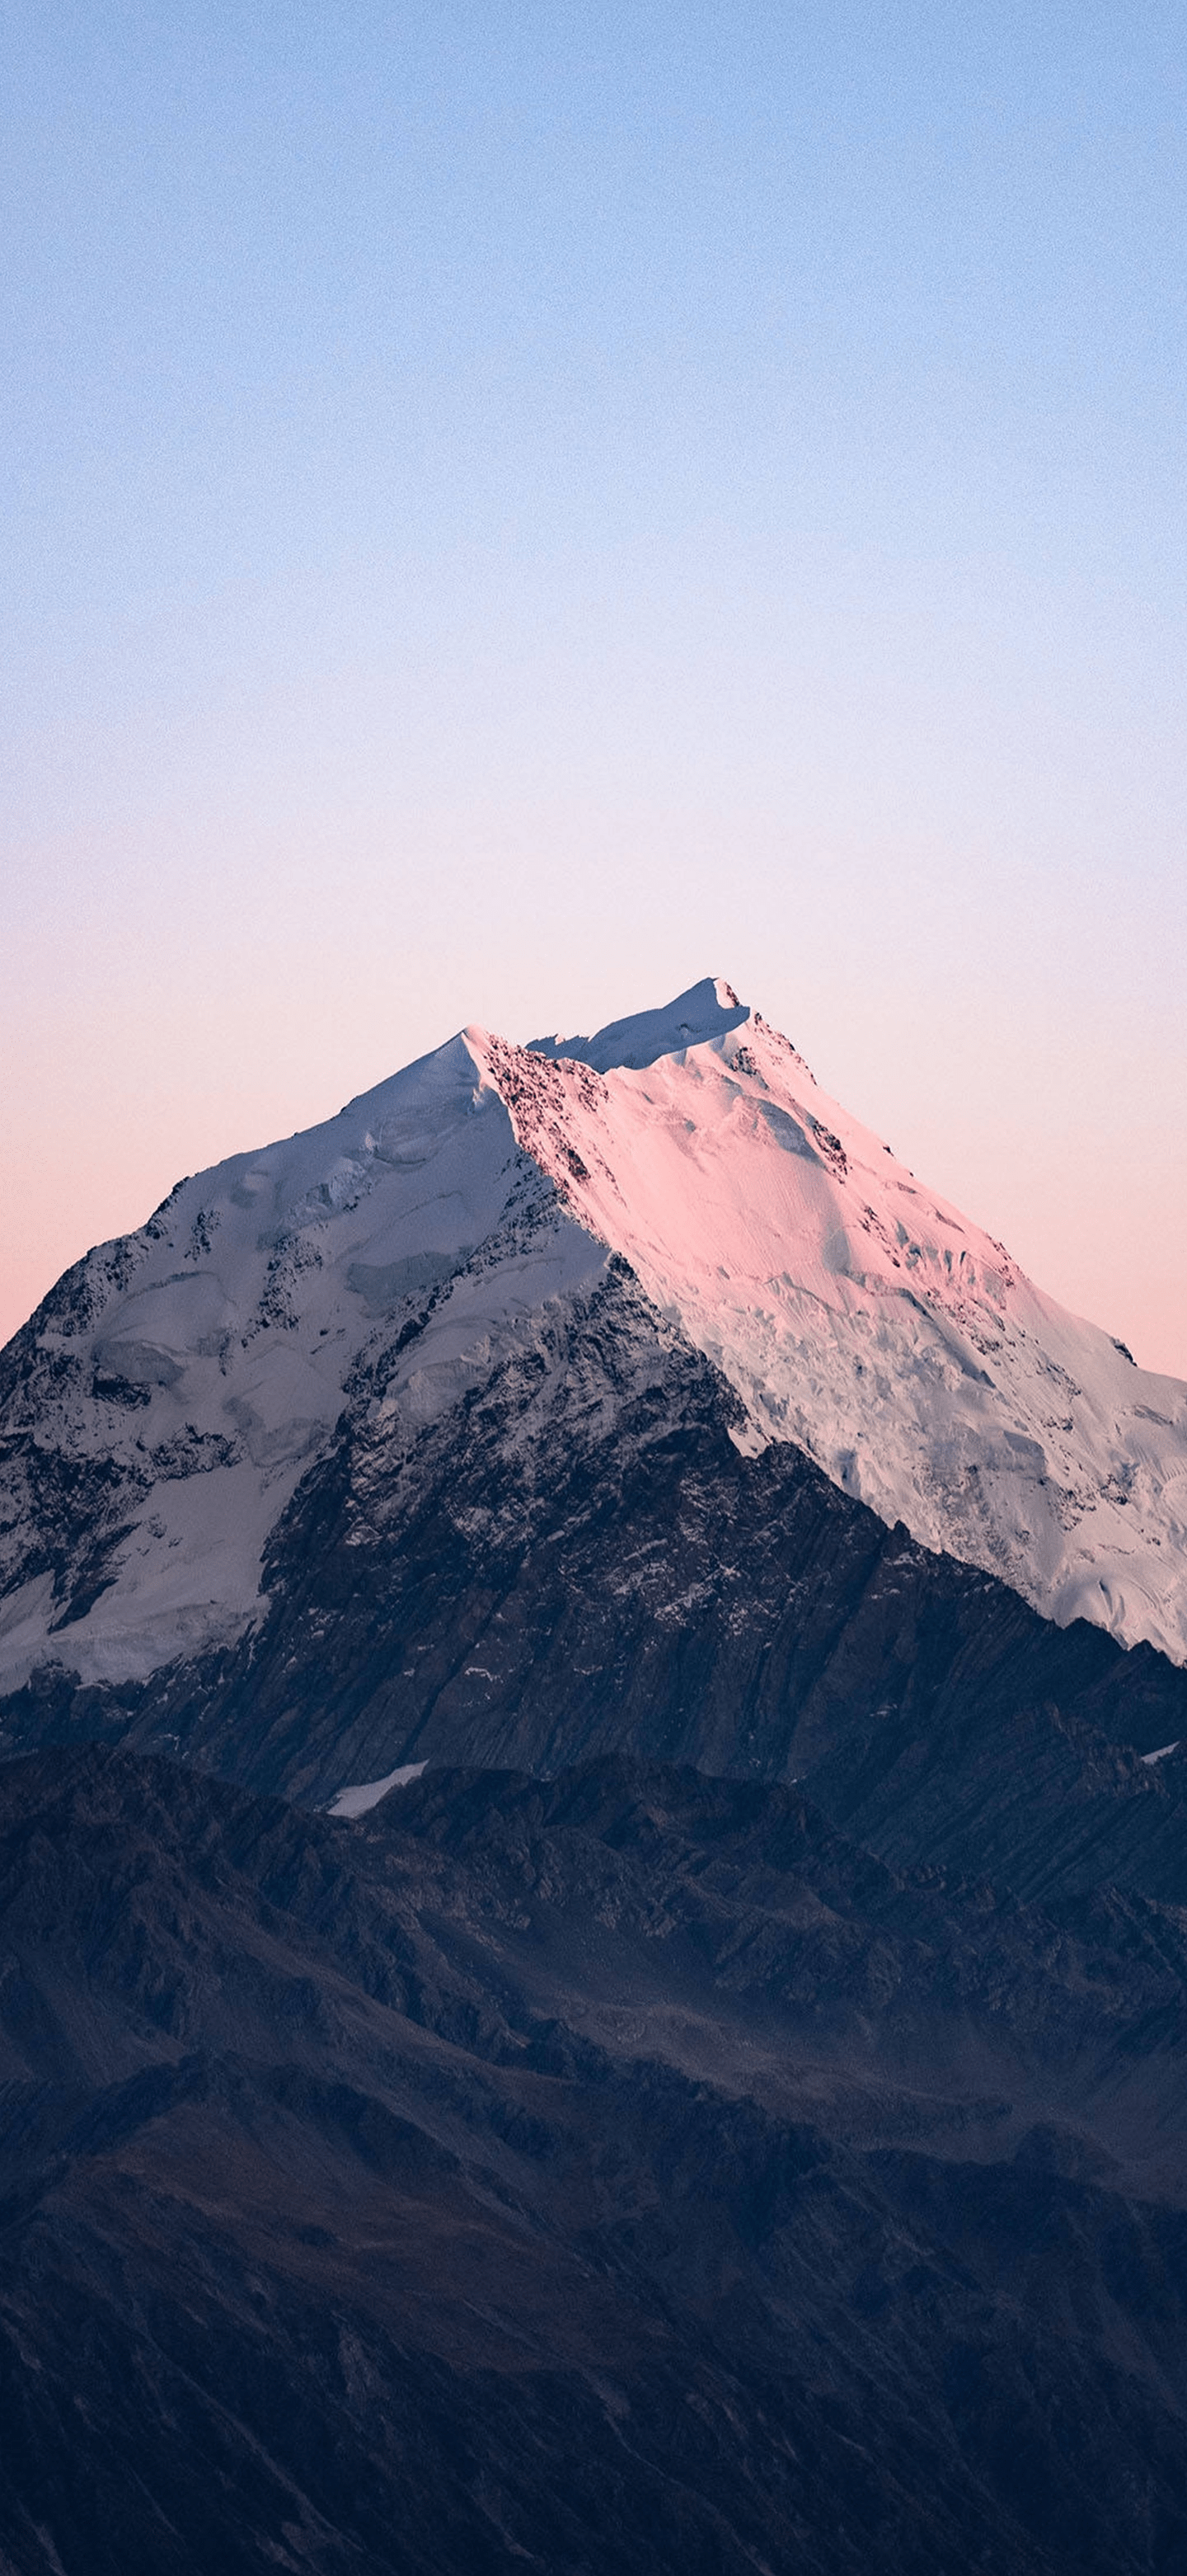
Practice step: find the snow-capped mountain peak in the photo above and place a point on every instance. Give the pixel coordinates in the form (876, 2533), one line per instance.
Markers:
(165, 1404)
(708, 1010)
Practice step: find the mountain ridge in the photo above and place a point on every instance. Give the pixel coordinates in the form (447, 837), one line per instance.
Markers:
(624, 2169)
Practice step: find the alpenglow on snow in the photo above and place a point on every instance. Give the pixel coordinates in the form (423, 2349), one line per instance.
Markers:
(167, 1400)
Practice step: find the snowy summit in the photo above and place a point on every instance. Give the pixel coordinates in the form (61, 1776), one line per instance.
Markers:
(174, 1390)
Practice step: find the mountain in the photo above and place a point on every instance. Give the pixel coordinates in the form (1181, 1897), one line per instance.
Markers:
(593, 1859)
(608, 1390)
(621, 2171)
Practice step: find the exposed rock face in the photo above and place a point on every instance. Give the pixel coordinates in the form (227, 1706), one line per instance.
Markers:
(578, 1556)
(617, 2170)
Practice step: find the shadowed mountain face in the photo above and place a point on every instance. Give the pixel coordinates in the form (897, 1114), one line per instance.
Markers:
(579, 1559)
(613, 2171)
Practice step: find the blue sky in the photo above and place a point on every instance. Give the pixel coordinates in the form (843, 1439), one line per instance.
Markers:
(511, 509)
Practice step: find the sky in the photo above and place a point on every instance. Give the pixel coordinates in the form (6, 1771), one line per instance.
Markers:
(510, 509)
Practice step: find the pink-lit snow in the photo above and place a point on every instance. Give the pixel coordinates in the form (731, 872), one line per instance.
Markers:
(855, 1313)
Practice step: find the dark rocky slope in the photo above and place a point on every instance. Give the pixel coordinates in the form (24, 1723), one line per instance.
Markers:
(612, 2172)
(577, 1558)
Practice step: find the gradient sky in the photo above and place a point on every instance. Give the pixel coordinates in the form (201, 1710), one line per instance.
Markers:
(512, 508)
